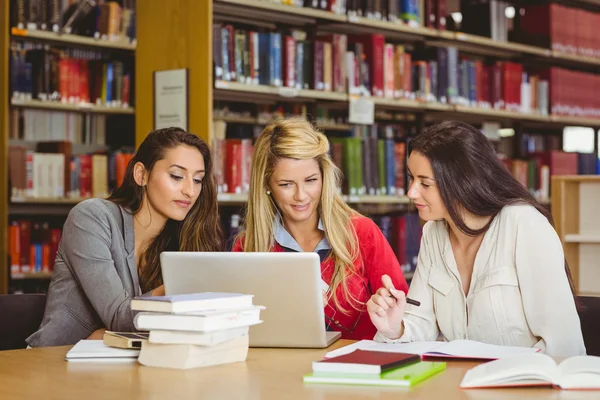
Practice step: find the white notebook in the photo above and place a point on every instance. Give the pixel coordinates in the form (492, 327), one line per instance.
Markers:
(97, 351)
(580, 372)
(453, 349)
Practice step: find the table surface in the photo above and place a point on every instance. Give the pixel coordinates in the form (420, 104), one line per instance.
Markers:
(266, 374)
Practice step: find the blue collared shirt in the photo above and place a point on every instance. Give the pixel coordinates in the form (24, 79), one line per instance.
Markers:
(287, 241)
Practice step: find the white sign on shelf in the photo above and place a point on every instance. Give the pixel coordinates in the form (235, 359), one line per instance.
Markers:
(171, 99)
(362, 110)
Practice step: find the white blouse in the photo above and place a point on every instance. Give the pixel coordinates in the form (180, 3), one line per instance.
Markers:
(519, 293)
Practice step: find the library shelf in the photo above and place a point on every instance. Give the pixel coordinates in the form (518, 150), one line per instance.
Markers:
(71, 40)
(80, 107)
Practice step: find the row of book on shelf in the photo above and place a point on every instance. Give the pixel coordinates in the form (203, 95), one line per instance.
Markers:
(367, 65)
(373, 160)
(74, 76)
(553, 26)
(32, 246)
(33, 243)
(107, 20)
(32, 125)
(53, 171)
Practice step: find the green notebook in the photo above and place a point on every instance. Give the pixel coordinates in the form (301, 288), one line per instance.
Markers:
(405, 376)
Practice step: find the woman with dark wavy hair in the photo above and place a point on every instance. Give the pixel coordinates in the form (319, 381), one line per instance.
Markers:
(109, 251)
(491, 267)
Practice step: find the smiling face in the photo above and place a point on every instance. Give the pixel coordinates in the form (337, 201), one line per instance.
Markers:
(423, 190)
(175, 182)
(296, 188)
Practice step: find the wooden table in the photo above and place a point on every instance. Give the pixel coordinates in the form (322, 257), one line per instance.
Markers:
(266, 374)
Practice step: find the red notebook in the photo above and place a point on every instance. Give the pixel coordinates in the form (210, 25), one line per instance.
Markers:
(364, 362)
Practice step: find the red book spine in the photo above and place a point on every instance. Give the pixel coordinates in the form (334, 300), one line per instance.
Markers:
(54, 241)
(289, 61)
(25, 242)
(375, 60)
(63, 79)
(233, 171)
(441, 12)
(85, 177)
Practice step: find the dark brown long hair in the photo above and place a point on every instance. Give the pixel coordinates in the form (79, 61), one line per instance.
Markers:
(471, 177)
(201, 228)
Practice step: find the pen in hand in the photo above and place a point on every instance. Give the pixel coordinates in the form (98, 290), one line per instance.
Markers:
(411, 301)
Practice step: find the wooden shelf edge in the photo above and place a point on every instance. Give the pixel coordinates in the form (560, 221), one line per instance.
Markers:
(31, 275)
(120, 44)
(582, 239)
(288, 9)
(55, 105)
(45, 200)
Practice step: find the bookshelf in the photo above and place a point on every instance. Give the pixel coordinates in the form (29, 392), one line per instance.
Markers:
(4, 106)
(71, 40)
(239, 20)
(236, 91)
(58, 108)
(575, 202)
(272, 12)
(79, 107)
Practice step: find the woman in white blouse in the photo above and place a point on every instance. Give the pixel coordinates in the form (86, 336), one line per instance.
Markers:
(491, 267)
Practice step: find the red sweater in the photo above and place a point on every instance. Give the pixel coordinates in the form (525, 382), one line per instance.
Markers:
(378, 259)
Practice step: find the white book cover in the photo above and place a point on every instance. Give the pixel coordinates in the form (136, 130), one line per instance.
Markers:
(197, 338)
(185, 356)
(184, 303)
(580, 372)
(97, 351)
(204, 321)
(453, 349)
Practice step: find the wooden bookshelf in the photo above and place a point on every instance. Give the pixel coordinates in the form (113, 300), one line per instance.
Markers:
(31, 275)
(80, 107)
(575, 202)
(4, 105)
(401, 104)
(270, 10)
(121, 49)
(280, 93)
(72, 40)
(476, 44)
(258, 121)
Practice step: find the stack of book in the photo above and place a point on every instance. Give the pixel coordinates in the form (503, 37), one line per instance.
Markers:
(195, 330)
(365, 367)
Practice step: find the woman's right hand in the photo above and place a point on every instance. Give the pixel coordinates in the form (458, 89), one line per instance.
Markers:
(386, 309)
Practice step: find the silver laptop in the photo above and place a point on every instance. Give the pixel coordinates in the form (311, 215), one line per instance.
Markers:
(287, 284)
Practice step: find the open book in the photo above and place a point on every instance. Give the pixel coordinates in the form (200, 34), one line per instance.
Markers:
(454, 349)
(581, 372)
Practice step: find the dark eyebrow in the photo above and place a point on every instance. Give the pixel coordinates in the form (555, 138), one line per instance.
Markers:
(183, 168)
(419, 176)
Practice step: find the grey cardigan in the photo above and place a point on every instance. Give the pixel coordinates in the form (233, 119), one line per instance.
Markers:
(95, 276)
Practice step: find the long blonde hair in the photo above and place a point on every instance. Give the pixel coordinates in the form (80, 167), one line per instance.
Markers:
(296, 138)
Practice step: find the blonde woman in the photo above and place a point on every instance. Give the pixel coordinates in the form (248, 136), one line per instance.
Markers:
(294, 205)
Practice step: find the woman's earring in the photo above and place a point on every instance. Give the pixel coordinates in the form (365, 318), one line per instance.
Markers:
(268, 192)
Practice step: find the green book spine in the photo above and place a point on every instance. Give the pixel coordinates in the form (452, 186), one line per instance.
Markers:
(405, 376)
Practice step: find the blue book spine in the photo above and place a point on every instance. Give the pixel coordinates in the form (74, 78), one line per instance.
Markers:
(109, 82)
(472, 83)
(264, 46)
(38, 257)
(276, 59)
